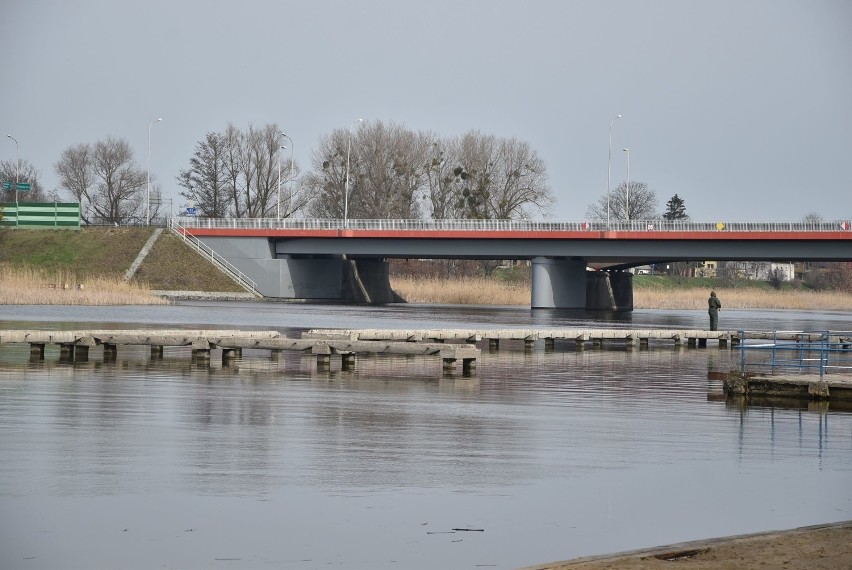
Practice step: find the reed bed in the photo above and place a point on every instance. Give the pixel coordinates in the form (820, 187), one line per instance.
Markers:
(480, 291)
(32, 287)
(463, 291)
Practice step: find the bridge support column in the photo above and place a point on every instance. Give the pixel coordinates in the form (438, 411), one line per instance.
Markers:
(558, 283)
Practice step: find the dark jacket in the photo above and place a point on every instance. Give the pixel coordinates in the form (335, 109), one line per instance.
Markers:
(714, 303)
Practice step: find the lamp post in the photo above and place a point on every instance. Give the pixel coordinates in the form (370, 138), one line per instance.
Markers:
(627, 187)
(292, 145)
(278, 201)
(17, 170)
(608, 169)
(148, 180)
(346, 180)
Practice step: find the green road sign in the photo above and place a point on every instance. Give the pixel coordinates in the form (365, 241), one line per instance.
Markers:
(7, 186)
(23, 186)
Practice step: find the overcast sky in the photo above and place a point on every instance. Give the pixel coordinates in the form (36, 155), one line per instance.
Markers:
(743, 108)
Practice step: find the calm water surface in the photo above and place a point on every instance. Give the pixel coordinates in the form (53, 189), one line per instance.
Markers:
(271, 464)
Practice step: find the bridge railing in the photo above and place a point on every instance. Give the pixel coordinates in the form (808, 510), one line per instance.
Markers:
(796, 352)
(512, 225)
(223, 264)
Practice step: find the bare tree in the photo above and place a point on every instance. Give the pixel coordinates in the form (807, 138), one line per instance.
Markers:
(206, 178)
(249, 170)
(441, 180)
(640, 203)
(106, 181)
(327, 180)
(75, 172)
(387, 171)
(10, 171)
(394, 172)
(520, 181)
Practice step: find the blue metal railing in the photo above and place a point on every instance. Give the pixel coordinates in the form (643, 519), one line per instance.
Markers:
(796, 352)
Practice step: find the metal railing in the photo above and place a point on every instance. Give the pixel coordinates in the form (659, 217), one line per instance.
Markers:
(512, 225)
(241, 278)
(797, 352)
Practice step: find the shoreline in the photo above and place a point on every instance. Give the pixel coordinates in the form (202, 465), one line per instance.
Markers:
(821, 547)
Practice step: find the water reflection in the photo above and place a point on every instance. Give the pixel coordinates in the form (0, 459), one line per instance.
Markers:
(555, 453)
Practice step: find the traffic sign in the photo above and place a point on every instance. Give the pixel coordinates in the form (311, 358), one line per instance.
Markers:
(23, 186)
(190, 211)
(7, 186)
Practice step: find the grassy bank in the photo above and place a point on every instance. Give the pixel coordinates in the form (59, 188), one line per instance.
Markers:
(647, 294)
(35, 263)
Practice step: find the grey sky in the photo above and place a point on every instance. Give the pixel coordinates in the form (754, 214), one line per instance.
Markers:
(743, 108)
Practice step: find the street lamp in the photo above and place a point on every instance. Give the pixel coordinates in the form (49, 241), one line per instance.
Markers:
(627, 186)
(148, 180)
(346, 182)
(608, 170)
(17, 170)
(292, 145)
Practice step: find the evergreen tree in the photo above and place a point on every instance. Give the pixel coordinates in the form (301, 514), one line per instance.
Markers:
(675, 209)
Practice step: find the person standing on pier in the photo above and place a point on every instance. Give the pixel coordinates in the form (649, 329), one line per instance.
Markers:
(714, 306)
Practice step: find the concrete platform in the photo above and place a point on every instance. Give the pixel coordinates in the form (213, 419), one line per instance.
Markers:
(800, 386)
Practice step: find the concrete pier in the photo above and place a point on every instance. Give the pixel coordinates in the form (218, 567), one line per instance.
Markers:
(232, 342)
(632, 338)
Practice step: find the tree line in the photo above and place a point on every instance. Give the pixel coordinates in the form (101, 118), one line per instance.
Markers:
(376, 170)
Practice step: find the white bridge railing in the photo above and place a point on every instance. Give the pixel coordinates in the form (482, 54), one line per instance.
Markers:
(511, 225)
(223, 264)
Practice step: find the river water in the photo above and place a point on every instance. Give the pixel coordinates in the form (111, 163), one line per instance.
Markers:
(267, 463)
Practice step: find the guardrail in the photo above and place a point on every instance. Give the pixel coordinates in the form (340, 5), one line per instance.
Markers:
(241, 278)
(807, 352)
(511, 225)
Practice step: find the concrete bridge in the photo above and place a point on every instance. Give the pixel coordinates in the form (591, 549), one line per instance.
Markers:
(332, 259)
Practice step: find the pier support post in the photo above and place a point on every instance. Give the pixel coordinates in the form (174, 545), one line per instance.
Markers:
(549, 344)
(493, 344)
(156, 352)
(66, 351)
(690, 342)
(702, 343)
(36, 351)
(643, 342)
(468, 366)
(201, 354)
(81, 353)
(529, 344)
(323, 354)
(229, 354)
(110, 352)
(723, 343)
(558, 283)
(347, 361)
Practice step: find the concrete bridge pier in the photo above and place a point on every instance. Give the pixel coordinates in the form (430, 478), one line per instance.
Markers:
(558, 283)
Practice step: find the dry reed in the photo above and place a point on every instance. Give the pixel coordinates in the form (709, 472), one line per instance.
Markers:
(477, 291)
(33, 287)
(464, 291)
